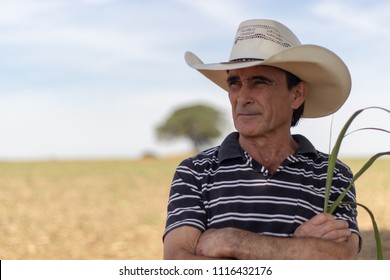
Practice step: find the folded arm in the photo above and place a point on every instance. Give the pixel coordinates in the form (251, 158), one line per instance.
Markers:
(240, 244)
(180, 244)
(322, 237)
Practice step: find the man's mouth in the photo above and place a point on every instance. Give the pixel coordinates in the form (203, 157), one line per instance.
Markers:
(249, 114)
(246, 113)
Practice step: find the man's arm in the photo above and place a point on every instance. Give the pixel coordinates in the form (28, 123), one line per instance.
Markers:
(322, 237)
(180, 244)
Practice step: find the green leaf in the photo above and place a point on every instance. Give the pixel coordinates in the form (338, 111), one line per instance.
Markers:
(332, 162)
(367, 165)
(368, 128)
(378, 241)
(334, 154)
(333, 157)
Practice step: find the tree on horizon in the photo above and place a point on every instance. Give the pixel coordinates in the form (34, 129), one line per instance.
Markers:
(198, 123)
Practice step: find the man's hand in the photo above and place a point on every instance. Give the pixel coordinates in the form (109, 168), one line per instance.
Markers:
(324, 226)
(322, 237)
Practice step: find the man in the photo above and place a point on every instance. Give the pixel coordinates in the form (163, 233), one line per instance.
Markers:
(260, 194)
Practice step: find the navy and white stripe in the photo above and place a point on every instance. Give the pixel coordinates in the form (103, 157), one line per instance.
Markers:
(225, 187)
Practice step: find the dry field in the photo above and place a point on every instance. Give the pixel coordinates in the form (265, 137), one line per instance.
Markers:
(116, 209)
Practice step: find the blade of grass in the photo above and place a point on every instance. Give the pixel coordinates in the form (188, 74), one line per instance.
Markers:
(330, 134)
(367, 165)
(333, 157)
(378, 241)
(368, 128)
(335, 151)
(330, 171)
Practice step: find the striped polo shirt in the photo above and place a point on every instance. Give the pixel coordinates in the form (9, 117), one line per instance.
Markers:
(225, 187)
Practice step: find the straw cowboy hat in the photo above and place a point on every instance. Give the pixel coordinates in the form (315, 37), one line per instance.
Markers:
(267, 42)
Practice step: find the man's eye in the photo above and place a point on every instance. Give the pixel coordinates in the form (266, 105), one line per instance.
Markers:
(234, 83)
(256, 82)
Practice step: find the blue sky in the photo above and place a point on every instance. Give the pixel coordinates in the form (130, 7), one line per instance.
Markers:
(93, 78)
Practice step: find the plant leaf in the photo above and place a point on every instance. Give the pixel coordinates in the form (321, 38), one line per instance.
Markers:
(333, 157)
(368, 128)
(357, 175)
(378, 241)
(335, 151)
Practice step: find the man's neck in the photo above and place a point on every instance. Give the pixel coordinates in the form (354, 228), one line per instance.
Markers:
(269, 151)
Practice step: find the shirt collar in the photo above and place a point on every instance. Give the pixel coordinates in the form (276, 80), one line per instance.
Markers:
(305, 146)
(230, 148)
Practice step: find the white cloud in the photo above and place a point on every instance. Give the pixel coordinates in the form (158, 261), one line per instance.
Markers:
(25, 11)
(371, 18)
(85, 46)
(225, 11)
(96, 2)
(47, 33)
(22, 11)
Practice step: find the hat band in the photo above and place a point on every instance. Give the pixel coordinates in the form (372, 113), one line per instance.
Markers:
(246, 59)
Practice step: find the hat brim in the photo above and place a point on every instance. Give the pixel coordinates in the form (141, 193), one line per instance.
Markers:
(326, 75)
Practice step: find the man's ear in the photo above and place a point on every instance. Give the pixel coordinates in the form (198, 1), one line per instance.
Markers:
(298, 95)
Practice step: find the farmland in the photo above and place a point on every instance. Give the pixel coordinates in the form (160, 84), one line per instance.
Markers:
(116, 209)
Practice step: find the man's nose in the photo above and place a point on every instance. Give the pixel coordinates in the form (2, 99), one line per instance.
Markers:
(245, 95)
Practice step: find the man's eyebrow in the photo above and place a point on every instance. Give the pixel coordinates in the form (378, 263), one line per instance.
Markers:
(234, 78)
(262, 78)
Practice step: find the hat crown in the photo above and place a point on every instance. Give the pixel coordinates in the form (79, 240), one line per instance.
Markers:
(261, 39)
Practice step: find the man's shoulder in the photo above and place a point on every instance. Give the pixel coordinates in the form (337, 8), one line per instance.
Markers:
(205, 157)
(322, 159)
(228, 149)
(308, 153)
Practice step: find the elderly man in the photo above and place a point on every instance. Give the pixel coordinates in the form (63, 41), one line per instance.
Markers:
(260, 194)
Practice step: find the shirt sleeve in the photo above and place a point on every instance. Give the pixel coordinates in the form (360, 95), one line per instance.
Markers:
(185, 204)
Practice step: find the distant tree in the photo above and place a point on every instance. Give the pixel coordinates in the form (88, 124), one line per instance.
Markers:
(198, 123)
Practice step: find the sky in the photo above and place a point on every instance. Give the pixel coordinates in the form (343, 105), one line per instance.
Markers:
(86, 79)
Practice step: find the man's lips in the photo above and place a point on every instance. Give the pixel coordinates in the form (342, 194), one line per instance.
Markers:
(240, 111)
(248, 113)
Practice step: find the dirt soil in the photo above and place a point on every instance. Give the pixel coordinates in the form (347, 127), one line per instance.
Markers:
(368, 251)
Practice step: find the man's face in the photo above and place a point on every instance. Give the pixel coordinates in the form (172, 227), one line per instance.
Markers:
(260, 99)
